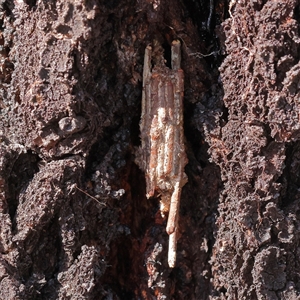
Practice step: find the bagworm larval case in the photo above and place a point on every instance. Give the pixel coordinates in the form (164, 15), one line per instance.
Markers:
(163, 150)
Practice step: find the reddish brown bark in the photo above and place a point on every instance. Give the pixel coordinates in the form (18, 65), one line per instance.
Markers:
(74, 219)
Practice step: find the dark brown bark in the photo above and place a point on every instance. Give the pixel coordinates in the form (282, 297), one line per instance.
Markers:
(74, 219)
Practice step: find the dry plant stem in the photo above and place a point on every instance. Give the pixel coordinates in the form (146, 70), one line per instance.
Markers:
(163, 151)
(90, 196)
(172, 225)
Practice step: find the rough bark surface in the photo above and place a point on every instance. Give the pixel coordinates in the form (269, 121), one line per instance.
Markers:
(74, 219)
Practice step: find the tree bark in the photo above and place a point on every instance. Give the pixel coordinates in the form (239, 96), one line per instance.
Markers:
(75, 222)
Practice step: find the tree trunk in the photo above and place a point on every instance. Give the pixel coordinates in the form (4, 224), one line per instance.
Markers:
(75, 222)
